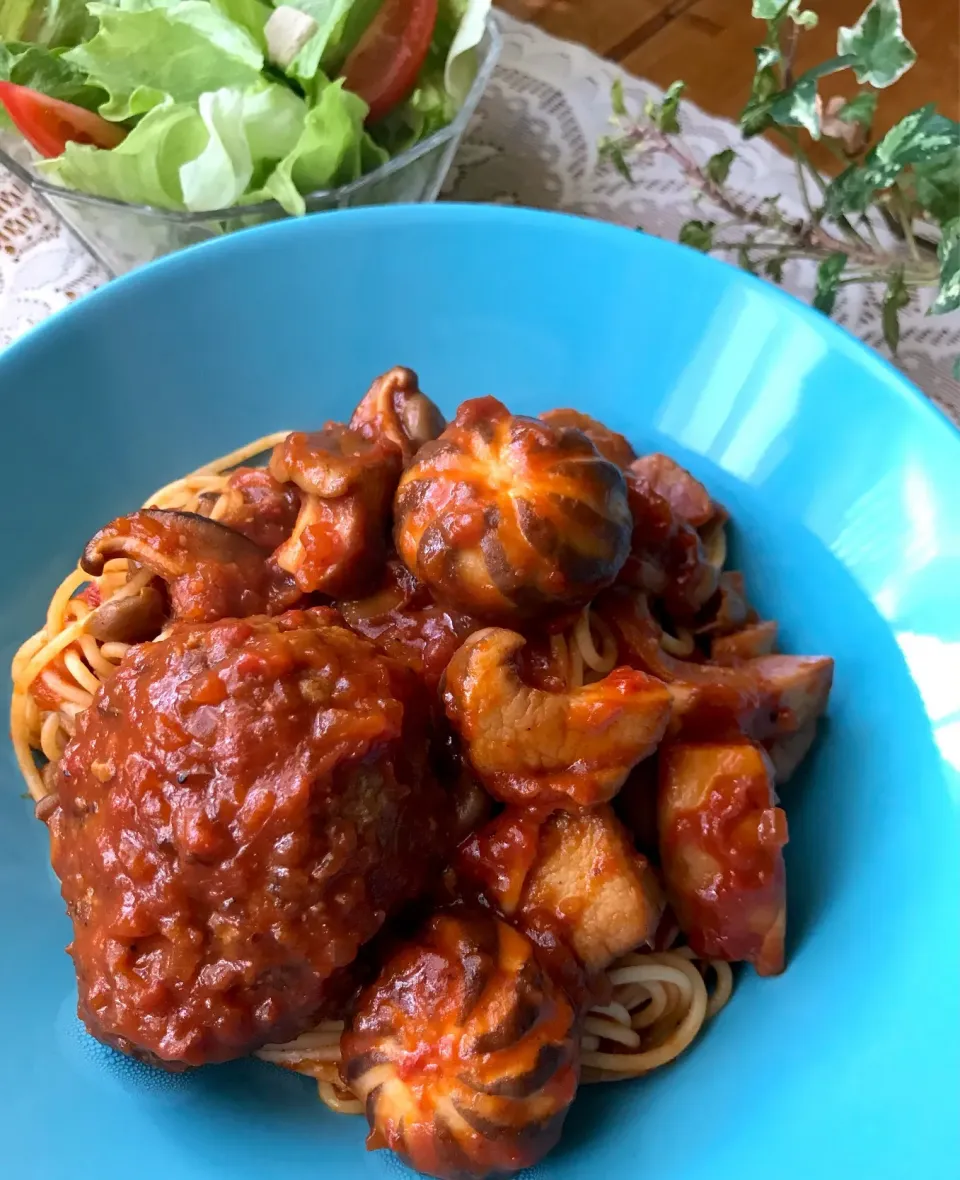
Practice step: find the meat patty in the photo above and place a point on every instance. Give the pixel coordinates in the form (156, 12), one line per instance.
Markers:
(241, 808)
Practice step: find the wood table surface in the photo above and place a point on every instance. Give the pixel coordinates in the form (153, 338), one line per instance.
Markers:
(709, 44)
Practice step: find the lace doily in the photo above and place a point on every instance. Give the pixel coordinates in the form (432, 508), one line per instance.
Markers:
(532, 142)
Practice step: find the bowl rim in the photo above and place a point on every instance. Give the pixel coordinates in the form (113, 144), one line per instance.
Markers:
(450, 213)
(488, 51)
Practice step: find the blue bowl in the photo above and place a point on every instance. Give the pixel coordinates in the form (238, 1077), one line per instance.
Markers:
(844, 486)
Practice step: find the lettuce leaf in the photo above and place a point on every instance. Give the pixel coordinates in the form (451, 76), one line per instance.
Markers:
(251, 15)
(145, 168)
(341, 23)
(248, 132)
(47, 23)
(332, 149)
(45, 70)
(148, 52)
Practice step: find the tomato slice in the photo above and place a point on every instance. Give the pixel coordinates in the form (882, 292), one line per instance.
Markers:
(49, 124)
(383, 67)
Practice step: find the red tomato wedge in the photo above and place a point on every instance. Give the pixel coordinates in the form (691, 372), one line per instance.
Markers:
(383, 67)
(49, 124)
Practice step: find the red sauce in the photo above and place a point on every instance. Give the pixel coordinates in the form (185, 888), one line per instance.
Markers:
(240, 810)
(721, 843)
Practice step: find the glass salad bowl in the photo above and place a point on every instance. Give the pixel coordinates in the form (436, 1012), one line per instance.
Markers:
(123, 236)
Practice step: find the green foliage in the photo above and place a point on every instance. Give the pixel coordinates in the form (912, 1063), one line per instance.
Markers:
(880, 52)
(909, 177)
(828, 281)
(895, 299)
(698, 234)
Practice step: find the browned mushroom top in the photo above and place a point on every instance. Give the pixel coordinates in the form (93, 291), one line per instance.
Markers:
(465, 1051)
(534, 747)
(211, 571)
(396, 410)
(611, 445)
(338, 544)
(505, 517)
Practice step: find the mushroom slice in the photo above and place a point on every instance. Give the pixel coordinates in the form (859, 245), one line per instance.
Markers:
(211, 571)
(579, 870)
(397, 411)
(611, 445)
(531, 746)
(338, 544)
(721, 849)
(688, 498)
(129, 618)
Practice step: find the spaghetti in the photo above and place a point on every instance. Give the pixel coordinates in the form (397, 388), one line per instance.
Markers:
(659, 1004)
(57, 671)
(659, 1001)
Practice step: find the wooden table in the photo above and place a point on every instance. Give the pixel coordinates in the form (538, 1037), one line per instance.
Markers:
(709, 44)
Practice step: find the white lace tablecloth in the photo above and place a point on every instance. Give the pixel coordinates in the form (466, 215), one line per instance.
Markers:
(532, 142)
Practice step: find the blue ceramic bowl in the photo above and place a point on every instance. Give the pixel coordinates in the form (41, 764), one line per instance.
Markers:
(844, 485)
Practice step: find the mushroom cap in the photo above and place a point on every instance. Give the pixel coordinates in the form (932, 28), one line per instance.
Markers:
(505, 517)
(465, 1051)
(396, 410)
(211, 571)
(535, 747)
(611, 445)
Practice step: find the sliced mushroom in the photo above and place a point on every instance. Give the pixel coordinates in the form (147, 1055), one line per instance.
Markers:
(721, 849)
(531, 746)
(611, 445)
(687, 497)
(667, 555)
(763, 698)
(131, 618)
(579, 869)
(757, 639)
(338, 544)
(212, 572)
(396, 410)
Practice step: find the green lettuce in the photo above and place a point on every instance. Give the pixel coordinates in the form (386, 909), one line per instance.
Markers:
(45, 70)
(332, 149)
(148, 52)
(145, 168)
(340, 25)
(46, 23)
(247, 132)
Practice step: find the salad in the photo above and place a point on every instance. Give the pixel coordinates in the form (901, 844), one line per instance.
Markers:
(205, 104)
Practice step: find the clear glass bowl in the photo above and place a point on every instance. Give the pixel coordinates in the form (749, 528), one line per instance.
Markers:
(123, 236)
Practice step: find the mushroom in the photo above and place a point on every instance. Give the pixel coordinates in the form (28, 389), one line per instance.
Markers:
(764, 698)
(579, 870)
(508, 517)
(667, 555)
(338, 544)
(721, 850)
(211, 571)
(396, 410)
(129, 618)
(465, 1051)
(611, 445)
(756, 639)
(689, 500)
(531, 746)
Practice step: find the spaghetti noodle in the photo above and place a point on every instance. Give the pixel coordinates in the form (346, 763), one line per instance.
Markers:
(659, 1004)
(659, 1001)
(57, 671)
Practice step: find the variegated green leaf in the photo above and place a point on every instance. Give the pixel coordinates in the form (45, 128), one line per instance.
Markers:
(881, 52)
(948, 251)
